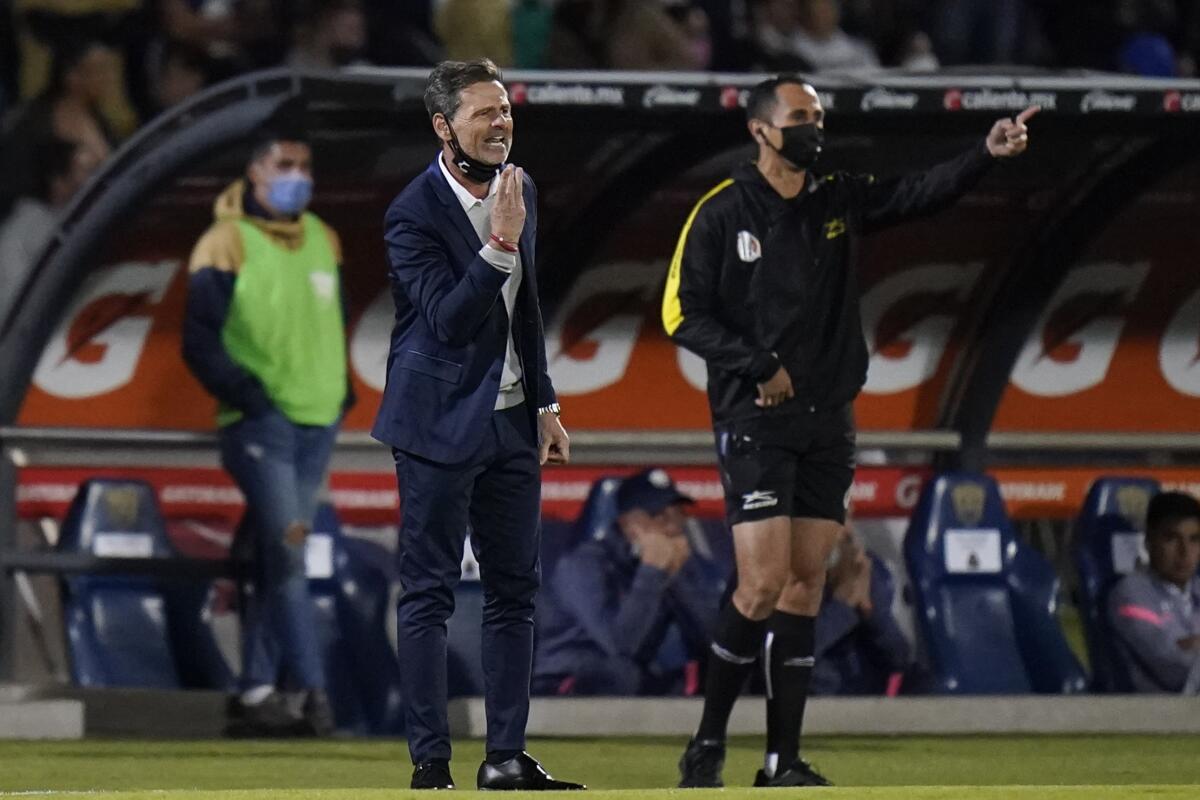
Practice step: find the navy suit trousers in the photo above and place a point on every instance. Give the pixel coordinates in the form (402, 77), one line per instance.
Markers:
(497, 492)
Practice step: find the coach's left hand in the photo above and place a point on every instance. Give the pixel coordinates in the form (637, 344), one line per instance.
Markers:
(1009, 138)
(555, 444)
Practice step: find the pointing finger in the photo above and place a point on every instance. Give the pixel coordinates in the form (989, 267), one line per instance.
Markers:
(1027, 114)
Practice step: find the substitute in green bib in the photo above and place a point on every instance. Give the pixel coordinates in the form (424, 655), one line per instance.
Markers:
(265, 334)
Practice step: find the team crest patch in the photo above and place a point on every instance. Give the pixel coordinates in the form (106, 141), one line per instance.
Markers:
(748, 247)
(969, 500)
(1132, 502)
(323, 284)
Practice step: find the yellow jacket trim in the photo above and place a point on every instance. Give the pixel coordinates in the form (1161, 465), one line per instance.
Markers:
(672, 311)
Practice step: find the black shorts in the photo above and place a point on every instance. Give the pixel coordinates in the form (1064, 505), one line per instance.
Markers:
(799, 465)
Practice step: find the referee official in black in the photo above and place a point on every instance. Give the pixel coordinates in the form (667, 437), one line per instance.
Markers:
(762, 287)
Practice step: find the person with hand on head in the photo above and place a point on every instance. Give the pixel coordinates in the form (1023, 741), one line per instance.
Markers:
(618, 597)
(858, 645)
(762, 287)
(264, 332)
(1155, 612)
(471, 417)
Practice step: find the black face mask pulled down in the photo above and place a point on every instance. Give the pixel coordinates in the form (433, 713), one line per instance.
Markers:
(475, 170)
(802, 145)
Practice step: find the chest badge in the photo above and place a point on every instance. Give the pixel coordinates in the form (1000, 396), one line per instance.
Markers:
(748, 247)
(835, 228)
(323, 285)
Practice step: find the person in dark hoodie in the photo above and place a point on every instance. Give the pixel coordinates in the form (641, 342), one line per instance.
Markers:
(859, 646)
(264, 333)
(762, 287)
(623, 598)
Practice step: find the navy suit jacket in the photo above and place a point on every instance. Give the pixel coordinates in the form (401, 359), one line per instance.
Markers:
(450, 336)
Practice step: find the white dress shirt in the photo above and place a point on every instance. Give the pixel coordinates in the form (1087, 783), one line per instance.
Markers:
(479, 212)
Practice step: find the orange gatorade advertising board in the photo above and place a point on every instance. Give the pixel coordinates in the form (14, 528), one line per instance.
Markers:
(1131, 363)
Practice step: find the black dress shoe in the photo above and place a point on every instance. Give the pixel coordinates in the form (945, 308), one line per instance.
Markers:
(432, 775)
(800, 773)
(520, 772)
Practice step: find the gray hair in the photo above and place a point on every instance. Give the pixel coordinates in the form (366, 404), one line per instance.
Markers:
(443, 92)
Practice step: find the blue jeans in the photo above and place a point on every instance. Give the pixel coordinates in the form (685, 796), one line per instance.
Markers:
(279, 466)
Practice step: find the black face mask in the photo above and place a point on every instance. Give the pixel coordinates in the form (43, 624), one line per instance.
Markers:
(475, 170)
(802, 144)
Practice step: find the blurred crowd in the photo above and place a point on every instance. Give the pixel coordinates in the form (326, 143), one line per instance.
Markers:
(79, 76)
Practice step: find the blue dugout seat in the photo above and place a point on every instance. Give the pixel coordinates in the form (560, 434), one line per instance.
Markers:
(133, 631)
(350, 582)
(1107, 544)
(464, 645)
(985, 602)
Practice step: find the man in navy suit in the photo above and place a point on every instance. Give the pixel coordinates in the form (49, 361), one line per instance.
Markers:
(471, 416)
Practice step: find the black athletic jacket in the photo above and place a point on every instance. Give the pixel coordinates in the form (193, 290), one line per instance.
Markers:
(758, 281)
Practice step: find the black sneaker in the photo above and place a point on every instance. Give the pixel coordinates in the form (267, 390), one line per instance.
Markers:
(318, 714)
(701, 764)
(269, 719)
(800, 773)
(433, 774)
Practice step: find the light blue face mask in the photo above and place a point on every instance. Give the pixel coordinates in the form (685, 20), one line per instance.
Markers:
(290, 193)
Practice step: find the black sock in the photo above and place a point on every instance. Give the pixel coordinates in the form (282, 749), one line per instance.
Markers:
(495, 757)
(787, 666)
(735, 647)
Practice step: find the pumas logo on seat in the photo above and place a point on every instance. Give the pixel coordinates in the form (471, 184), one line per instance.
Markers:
(759, 499)
(748, 247)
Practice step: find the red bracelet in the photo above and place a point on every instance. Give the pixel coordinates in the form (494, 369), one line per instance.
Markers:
(505, 246)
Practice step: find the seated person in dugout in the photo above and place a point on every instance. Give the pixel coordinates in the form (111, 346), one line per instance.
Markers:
(1155, 613)
(622, 607)
(860, 647)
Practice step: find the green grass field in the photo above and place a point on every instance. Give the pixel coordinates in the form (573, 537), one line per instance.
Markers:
(872, 768)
